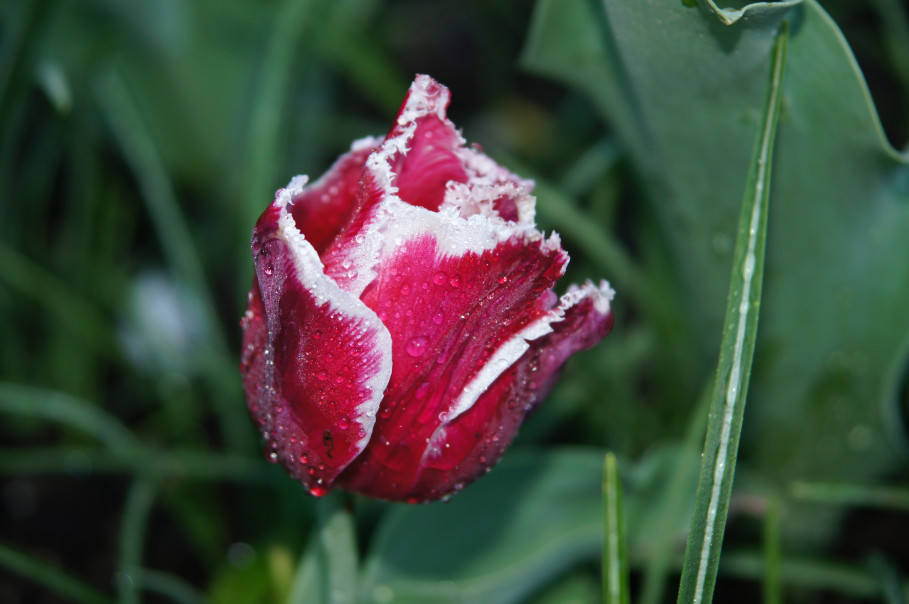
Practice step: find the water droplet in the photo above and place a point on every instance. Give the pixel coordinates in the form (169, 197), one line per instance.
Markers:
(405, 290)
(268, 268)
(503, 279)
(322, 376)
(344, 423)
(438, 317)
(273, 456)
(455, 281)
(304, 458)
(318, 490)
(440, 278)
(317, 334)
(417, 346)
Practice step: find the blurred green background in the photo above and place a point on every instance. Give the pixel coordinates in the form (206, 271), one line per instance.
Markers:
(140, 140)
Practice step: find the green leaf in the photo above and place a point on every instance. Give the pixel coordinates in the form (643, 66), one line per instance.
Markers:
(498, 541)
(683, 92)
(727, 409)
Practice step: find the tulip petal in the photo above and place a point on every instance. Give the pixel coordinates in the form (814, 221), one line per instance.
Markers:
(324, 358)
(468, 445)
(457, 321)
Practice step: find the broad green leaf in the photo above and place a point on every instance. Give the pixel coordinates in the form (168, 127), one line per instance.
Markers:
(683, 91)
(498, 541)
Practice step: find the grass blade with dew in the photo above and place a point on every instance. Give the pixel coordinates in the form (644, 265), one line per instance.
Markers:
(702, 552)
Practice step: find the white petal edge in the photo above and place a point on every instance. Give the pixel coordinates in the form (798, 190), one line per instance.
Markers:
(311, 274)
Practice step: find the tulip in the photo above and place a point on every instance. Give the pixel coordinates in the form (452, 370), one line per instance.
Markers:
(402, 321)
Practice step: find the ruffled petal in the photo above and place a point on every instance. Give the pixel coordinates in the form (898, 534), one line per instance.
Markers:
(323, 207)
(319, 359)
(468, 445)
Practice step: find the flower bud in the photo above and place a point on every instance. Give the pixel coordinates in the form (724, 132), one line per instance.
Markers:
(402, 321)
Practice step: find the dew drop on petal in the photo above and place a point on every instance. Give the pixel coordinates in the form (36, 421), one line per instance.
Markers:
(438, 317)
(417, 346)
(455, 281)
(503, 279)
(405, 290)
(440, 278)
(344, 423)
(322, 376)
(317, 490)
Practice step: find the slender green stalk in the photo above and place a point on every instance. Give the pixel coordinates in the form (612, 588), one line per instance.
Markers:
(724, 427)
(133, 527)
(773, 557)
(615, 551)
(894, 498)
(50, 577)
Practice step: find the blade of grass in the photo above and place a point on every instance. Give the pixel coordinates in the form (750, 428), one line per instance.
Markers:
(71, 310)
(143, 461)
(601, 157)
(895, 498)
(133, 527)
(888, 579)
(773, 585)
(50, 577)
(702, 552)
(659, 563)
(615, 551)
(844, 579)
(265, 118)
(69, 410)
(170, 586)
(177, 243)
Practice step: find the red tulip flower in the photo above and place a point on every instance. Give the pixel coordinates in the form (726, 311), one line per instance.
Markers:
(402, 321)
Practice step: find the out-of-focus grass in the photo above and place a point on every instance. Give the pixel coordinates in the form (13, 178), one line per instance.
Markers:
(138, 143)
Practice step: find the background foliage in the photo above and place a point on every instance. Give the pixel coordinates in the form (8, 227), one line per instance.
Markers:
(140, 140)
